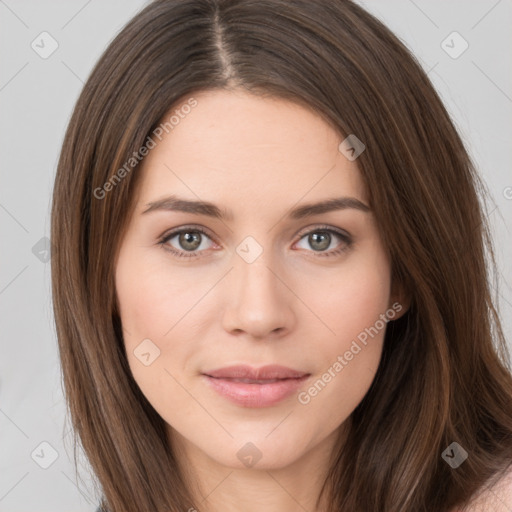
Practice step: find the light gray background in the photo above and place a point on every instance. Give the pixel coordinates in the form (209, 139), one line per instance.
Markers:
(36, 98)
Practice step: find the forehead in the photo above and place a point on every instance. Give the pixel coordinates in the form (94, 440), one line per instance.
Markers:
(248, 152)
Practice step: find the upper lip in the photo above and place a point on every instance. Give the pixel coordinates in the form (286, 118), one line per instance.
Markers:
(263, 373)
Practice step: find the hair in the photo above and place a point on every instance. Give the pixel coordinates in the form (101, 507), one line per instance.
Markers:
(444, 374)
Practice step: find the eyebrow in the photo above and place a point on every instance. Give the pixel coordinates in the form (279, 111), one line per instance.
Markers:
(174, 203)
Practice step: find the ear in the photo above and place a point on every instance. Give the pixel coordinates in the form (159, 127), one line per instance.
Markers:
(400, 299)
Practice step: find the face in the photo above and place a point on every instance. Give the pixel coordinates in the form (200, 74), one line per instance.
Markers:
(254, 278)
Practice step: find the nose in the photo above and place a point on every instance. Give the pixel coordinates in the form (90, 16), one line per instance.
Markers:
(260, 304)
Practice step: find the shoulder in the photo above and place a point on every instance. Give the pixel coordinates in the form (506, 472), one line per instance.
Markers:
(496, 497)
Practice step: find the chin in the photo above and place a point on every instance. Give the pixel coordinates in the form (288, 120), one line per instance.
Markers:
(260, 454)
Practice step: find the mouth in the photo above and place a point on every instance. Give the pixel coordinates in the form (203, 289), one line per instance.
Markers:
(264, 373)
(249, 381)
(249, 387)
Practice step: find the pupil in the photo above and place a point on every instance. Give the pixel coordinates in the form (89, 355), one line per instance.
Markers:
(323, 238)
(190, 240)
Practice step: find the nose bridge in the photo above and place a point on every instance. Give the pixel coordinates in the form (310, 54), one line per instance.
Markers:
(253, 259)
(256, 278)
(259, 301)
(253, 273)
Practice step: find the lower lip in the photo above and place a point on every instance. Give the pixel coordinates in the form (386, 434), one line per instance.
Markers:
(255, 395)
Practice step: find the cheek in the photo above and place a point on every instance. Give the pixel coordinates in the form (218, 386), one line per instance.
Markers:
(151, 299)
(163, 306)
(351, 305)
(353, 298)
(152, 305)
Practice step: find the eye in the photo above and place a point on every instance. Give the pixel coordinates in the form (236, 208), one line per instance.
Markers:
(321, 239)
(189, 242)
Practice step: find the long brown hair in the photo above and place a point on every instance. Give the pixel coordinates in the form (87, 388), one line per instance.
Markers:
(445, 373)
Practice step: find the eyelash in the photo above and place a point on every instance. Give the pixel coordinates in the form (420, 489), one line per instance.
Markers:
(346, 239)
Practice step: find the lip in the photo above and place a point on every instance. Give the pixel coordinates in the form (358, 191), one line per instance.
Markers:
(248, 372)
(255, 387)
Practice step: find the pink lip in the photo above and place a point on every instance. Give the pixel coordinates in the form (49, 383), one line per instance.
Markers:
(248, 372)
(271, 384)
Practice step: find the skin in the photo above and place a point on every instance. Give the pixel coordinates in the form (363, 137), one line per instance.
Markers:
(291, 306)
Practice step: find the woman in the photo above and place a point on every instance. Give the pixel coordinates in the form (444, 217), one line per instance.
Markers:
(270, 284)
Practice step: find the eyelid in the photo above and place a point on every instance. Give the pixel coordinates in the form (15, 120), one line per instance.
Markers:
(344, 235)
(189, 227)
(168, 235)
(323, 227)
(347, 240)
